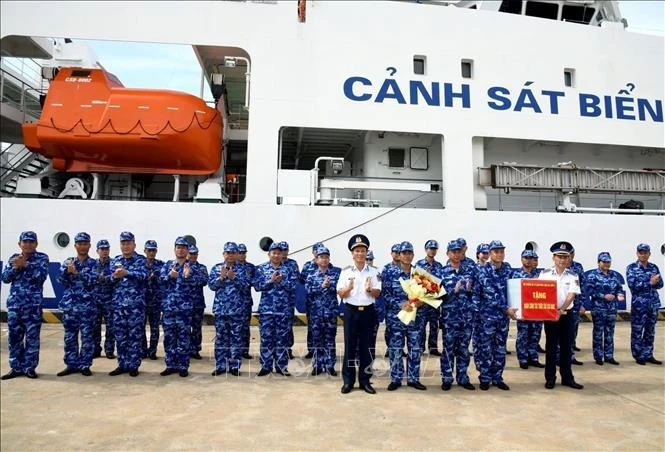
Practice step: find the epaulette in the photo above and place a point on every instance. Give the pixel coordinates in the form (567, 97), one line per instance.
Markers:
(348, 267)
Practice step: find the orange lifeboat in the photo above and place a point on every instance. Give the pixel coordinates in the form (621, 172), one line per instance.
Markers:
(91, 123)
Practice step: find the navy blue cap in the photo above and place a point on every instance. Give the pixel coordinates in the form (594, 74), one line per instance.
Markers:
(454, 245)
(529, 254)
(316, 246)
(28, 235)
(242, 248)
(642, 247)
(431, 244)
(193, 249)
(103, 244)
(126, 235)
(370, 255)
(181, 241)
(604, 257)
(482, 248)
(562, 248)
(358, 240)
(284, 246)
(405, 246)
(461, 241)
(322, 250)
(230, 247)
(150, 245)
(274, 246)
(82, 237)
(394, 248)
(496, 245)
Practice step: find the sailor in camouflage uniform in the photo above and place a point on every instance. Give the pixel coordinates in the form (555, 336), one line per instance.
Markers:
(26, 271)
(248, 268)
(78, 275)
(128, 277)
(434, 268)
(228, 281)
(199, 281)
(276, 281)
(293, 267)
(321, 286)
(177, 279)
(604, 288)
(578, 307)
(104, 300)
(644, 280)
(495, 315)
(153, 299)
(528, 331)
(386, 273)
(307, 268)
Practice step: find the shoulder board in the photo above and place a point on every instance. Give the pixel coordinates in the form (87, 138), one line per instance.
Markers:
(348, 267)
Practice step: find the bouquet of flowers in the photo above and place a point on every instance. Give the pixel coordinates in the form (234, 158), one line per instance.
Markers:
(422, 286)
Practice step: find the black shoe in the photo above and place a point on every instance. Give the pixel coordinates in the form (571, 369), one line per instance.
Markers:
(576, 348)
(234, 372)
(168, 371)
(394, 385)
(612, 361)
(97, 355)
(86, 372)
(117, 371)
(508, 352)
(524, 366)
(290, 353)
(110, 355)
(133, 372)
(316, 372)
(218, 372)
(599, 362)
(468, 386)
(541, 349)
(445, 386)
(435, 353)
(309, 355)
(183, 373)
(549, 384)
(417, 385)
(332, 372)
(501, 385)
(576, 362)
(196, 355)
(12, 374)
(31, 374)
(641, 362)
(153, 356)
(247, 356)
(537, 364)
(655, 361)
(572, 384)
(346, 389)
(67, 371)
(368, 389)
(283, 372)
(484, 386)
(263, 372)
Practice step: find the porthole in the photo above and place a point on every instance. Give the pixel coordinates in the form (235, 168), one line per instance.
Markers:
(533, 246)
(190, 239)
(265, 243)
(61, 239)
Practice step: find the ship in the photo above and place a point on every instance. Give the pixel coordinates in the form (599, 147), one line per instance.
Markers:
(525, 121)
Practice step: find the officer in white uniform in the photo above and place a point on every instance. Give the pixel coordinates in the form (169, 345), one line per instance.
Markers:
(358, 287)
(560, 332)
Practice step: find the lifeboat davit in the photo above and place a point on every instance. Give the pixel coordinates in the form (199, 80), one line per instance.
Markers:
(91, 123)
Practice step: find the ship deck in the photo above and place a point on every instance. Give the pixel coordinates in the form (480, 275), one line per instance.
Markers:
(621, 407)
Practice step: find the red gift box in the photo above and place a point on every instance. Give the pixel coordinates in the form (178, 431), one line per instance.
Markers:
(539, 299)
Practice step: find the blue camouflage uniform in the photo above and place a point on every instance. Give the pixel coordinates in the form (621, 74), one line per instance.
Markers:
(494, 321)
(603, 312)
(292, 265)
(129, 307)
(248, 269)
(79, 308)
(381, 305)
(177, 306)
(153, 301)
(199, 281)
(431, 314)
(475, 334)
(578, 269)
(229, 309)
(643, 307)
(528, 331)
(275, 313)
(308, 268)
(324, 309)
(399, 333)
(457, 316)
(24, 307)
(104, 301)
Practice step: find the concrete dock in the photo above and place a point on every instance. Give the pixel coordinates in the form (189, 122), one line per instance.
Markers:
(621, 407)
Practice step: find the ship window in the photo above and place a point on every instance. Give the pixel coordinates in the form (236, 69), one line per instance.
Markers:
(419, 64)
(511, 6)
(419, 159)
(578, 14)
(61, 239)
(541, 9)
(467, 68)
(569, 77)
(396, 157)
